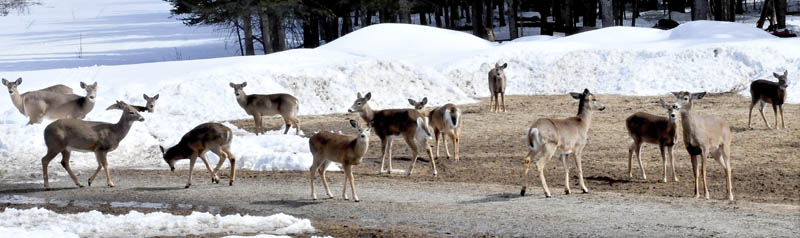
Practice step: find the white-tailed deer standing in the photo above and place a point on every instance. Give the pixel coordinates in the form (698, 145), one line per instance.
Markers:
(547, 136)
(149, 107)
(445, 121)
(705, 136)
(497, 87)
(648, 128)
(17, 99)
(765, 91)
(327, 147)
(258, 105)
(66, 135)
(388, 123)
(40, 104)
(205, 137)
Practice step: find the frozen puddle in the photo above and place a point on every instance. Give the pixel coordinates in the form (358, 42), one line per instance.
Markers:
(40, 222)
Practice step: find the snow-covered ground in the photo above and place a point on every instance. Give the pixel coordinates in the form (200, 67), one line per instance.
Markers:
(40, 222)
(393, 61)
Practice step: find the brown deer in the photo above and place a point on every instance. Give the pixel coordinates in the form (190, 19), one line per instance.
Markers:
(764, 91)
(40, 104)
(497, 87)
(648, 128)
(258, 105)
(17, 99)
(547, 136)
(327, 147)
(149, 107)
(445, 121)
(705, 136)
(388, 123)
(490, 34)
(205, 137)
(66, 135)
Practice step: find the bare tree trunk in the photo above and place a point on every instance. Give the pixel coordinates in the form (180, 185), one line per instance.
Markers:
(489, 22)
(501, 12)
(367, 18)
(454, 16)
(512, 19)
(677, 5)
(247, 19)
(422, 20)
(238, 37)
(780, 13)
(607, 12)
(277, 31)
(739, 6)
(543, 8)
(405, 9)
(311, 32)
(766, 11)
(438, 15)
(266, 38)
(635, 12)
(467, 13)
(347, 23)
(357, 17)
(477, 19)
(699, 10)
(590, 13)
(723, 10)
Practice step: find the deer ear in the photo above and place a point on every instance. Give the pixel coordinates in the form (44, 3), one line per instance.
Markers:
(83, 85)
(146, 98)
(575, 95)
(232, 85)
(371, 123)
(358, 95)
(785, 73)
(244, 84)
(5, 82)
(586, 91)
(497, 65)
(505, 65)
(368, 96)
(354, 123)
(425, 100)
(698, 95)
(19, 81)
(676, 94)
(94, 84)
(776, 75)
(155, 97)
(412, 102)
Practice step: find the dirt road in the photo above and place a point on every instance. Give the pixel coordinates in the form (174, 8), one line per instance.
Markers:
(479, 195)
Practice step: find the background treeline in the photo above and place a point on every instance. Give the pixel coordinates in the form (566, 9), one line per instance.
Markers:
(275, 25)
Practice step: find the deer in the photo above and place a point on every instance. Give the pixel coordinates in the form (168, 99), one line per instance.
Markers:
(205, 137)
(497, 87)
(150, 106)
(40, 104)
(66, 135)
(547, 136)
(445, 121)
(489, 34)
(705, 136)
(648, 128)
(17, 99)
(765, 91)
(258, 105)
(327, 147)
(388, 123)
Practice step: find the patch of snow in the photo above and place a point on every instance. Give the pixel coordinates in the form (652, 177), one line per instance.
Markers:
(40, 222)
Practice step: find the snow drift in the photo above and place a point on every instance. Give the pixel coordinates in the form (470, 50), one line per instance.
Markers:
(394, 62)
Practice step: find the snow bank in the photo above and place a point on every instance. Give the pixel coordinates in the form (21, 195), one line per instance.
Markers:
(394, 62)
(40, 222)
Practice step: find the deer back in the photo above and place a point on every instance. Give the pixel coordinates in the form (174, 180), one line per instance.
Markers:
(767, 91)
(270, 104)
(566, 133)
(651, 128)
(74, 134)
(395, 122)
(337, 148)
(497, 81)
(703, 131)
(207, 136)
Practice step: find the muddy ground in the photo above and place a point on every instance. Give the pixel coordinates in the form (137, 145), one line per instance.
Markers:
(479, 194)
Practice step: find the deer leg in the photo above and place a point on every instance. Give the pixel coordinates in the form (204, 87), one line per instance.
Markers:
(578, 157)
(389, 148)
(314, 169)
(491, 102)
(639, 159)
(672, 160)
(436, 136)
(296, 123)
(348, 172)
(695, 174)
(761, 110)
(232, 159)
(257, 120)
(566, 173)
(322, 173)
(496, 103)
(750, 114)
(191, 168)
(783, 121)
(775, 111)
(527, 162)
(288, 126)
(384, 143)
(444, 140)
(503, 98)
(65, 163)
(726, 153)
(102, 157)
(663, 159)
(214, 177)
(548, 151)
(456, 143)
(45, 161)
(452, 139)
(414, 150)
(430, 155)
(630, 159)
(703, 173)
(99, 167)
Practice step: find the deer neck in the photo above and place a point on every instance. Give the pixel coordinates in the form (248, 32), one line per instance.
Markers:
(584, 116)
(367, 114)
(121, 128)
(361, 147)
(16, 99)
(242, 99)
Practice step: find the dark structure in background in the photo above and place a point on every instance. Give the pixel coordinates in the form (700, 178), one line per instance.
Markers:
(264, 25)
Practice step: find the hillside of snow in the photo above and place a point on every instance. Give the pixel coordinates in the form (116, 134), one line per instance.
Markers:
(393, 61)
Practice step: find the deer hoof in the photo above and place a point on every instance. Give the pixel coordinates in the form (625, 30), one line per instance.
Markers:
(187, 186)
(566, 192)
(522, 192)
(111, 185)
(230, 184)
(356, 200)
(586, 190)
(80, 186)
(547, 196)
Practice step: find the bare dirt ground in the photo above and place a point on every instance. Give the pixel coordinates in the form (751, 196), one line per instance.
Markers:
(479, 195)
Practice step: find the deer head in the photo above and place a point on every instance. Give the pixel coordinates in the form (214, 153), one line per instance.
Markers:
(129, 113)
(686, 99)
(91, 90)
(782, 79)
(360, 104)
(587, 101)
(418, 105)
(12, 86)
(672, 109)
(238, 89)
(151, 102)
